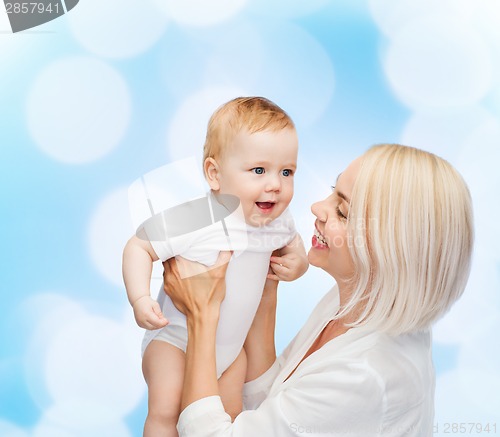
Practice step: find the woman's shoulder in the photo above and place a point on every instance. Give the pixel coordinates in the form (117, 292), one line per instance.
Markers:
(391, 360)
(404, 367)
(390, 379)
(397, 370)
(406, 354)
(411, 351)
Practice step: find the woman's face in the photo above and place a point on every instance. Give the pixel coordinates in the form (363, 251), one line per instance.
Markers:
(330, 245)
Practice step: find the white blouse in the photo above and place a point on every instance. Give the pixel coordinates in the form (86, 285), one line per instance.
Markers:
(359, 384)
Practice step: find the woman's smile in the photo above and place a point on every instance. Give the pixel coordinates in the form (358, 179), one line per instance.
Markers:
(318, 240)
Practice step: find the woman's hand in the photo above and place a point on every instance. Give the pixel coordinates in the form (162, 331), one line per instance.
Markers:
(194, 288)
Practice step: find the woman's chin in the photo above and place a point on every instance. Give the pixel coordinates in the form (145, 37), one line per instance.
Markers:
(314, 259)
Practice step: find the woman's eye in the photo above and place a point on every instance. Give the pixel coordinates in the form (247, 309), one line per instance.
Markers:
(286, 172)
(340, 213)
(258, 170)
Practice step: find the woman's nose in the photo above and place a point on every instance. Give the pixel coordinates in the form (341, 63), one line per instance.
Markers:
(318, 209)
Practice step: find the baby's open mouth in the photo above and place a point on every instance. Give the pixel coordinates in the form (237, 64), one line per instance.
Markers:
(265, 205)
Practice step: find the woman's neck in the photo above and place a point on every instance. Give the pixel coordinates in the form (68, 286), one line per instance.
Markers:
(345, 295)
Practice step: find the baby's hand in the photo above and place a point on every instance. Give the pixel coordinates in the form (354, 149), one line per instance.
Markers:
(287, 267)
(147, 313)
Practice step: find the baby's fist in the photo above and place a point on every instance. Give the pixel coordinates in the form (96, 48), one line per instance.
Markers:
(147, 313)
(287, 267)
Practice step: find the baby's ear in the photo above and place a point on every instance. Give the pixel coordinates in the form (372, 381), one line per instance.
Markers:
(212, 169)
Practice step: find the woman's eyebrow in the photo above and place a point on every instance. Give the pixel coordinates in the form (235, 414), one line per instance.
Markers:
(343, 196)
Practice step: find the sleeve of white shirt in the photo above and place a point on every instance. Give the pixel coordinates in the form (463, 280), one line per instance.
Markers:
(255, 391)
(162, 249)
(336, 399)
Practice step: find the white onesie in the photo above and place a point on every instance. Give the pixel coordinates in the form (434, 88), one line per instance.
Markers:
(245, 277)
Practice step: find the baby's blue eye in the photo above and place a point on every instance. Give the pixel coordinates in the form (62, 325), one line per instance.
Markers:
(258, 170)
(286, 172)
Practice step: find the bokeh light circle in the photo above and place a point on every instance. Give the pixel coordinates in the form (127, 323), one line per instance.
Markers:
(117, 28)
(478, 162)
(48, 313)
(92, 363)
(55, 423)
(438, 64)
(287, 8)
(485, 16)
(479, 361)
(297, 72)
(109, 229)
(280, 61)
(453, 403)
(444, 134)
(78, 109)
(44, 429)
(200, 12)
(394, 15)
(479, 302)
(230, 54)
(72, 358)
(8, 429)
(188, 127)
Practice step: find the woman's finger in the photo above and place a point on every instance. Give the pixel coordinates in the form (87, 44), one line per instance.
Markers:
(220, 266)
(272, 276)
(188, 268)
(280, 261)
(167, 270)
(224, 257)
(167, 266)
(277, 259)
(279, 267)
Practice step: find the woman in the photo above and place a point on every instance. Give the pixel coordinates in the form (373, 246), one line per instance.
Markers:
(396, 235)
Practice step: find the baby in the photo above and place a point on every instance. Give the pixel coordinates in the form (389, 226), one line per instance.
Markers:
(250, 154)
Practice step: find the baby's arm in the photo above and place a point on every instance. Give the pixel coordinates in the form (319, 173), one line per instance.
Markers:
(292, 262)
(138, 258)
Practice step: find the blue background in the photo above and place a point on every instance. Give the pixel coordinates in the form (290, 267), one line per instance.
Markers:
(93, 100)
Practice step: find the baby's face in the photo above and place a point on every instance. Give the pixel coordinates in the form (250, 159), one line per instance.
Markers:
(259, 169)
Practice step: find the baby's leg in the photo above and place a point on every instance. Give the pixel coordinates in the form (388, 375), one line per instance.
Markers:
(163, 369)
(231, 385)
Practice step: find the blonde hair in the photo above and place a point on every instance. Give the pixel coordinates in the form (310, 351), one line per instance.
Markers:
(411, 232)
(254, 114)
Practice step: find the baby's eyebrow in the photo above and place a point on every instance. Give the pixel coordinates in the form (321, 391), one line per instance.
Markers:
(291, 165)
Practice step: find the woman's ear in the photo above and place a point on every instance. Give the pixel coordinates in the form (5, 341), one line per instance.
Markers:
(212, 171)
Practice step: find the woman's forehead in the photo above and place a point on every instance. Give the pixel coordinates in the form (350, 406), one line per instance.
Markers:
(346, 179)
